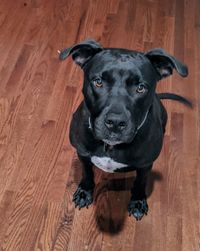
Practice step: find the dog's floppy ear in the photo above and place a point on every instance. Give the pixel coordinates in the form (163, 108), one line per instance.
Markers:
(165, 63)
(82, 52)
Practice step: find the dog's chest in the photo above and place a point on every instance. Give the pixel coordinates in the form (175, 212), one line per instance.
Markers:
(107, 164)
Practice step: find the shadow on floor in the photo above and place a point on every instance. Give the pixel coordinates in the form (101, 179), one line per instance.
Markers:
(112, 195)
(112, 198)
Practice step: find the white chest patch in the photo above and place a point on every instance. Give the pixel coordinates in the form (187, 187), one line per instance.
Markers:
(106, 164)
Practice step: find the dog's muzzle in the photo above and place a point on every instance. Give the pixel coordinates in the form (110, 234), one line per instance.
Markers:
(115, 122)
(116, 129)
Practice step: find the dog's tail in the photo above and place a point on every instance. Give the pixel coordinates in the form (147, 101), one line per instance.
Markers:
(175, 97)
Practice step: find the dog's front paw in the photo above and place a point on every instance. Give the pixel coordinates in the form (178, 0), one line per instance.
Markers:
(82, 197)
(138, 208)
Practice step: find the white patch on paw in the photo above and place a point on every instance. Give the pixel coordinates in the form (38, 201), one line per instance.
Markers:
(107, 164)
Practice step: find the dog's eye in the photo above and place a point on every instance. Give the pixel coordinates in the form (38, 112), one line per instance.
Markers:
(97, 82)
(141, 88)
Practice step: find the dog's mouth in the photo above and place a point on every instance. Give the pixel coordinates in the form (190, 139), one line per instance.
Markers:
(112, 142)
(110, 137)
(113, 139)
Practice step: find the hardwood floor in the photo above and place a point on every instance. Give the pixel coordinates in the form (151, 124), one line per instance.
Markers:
(39, 170)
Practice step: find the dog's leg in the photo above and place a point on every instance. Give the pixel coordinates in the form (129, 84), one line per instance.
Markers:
(138, 206)
(83, 196)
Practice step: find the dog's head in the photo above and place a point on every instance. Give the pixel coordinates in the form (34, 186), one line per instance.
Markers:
(119, 86)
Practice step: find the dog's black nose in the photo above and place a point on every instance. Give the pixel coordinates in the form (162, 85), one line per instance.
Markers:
(115, 122)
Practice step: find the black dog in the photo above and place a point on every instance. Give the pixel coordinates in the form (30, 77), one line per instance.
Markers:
(120, 124)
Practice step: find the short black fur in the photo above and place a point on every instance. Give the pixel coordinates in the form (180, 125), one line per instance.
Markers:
(121, 120)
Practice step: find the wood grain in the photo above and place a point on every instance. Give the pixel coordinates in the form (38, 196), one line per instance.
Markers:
(39, 170)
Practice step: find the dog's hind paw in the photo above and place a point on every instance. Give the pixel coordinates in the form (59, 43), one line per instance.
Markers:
(138, 208)
(82, 197)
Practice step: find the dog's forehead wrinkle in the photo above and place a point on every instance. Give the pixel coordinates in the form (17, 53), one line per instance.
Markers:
(115, 72)
(121, 72)
(125, 63)
(118, 56)
(121, 66)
